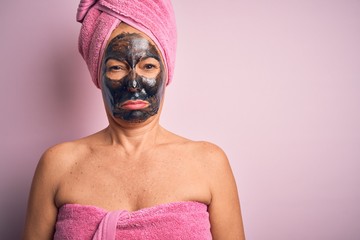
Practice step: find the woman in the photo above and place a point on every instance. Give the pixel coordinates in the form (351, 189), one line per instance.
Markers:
(134, 179)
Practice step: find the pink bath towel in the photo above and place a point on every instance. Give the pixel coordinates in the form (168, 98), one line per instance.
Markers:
(179, 220)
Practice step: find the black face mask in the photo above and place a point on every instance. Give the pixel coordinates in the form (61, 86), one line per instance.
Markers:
(140, 86)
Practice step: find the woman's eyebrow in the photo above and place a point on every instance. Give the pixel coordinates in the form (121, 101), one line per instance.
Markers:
(122, 60)
(150, 56)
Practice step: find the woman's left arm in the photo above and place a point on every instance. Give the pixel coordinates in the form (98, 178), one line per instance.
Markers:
(224, 209)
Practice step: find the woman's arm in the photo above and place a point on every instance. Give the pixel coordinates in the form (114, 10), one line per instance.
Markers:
(42, 212)
(224, 209)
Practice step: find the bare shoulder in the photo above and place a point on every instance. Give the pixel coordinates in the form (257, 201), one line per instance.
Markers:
(213, 160)
(58, 152)
(63, 155)
(59, 157)
(209, 154)
(42, 211)
(224, 208)
(57, 160)
(209, 150)
(206, 153)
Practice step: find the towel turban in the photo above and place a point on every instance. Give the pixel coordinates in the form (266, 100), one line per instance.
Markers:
(99, 18)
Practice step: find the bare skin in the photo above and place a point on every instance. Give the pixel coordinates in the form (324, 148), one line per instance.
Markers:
(132, 166)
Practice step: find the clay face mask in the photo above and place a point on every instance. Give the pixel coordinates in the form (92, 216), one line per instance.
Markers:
(132, 78)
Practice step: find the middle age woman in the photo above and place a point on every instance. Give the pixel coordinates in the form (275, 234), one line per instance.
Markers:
(134, 179)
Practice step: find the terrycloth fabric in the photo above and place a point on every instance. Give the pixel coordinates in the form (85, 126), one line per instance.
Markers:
(99, 18)
(173, 221)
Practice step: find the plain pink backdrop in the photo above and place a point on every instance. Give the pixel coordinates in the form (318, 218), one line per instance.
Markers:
(276, 84)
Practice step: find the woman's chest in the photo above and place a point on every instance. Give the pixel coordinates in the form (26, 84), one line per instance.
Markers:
(133, 184)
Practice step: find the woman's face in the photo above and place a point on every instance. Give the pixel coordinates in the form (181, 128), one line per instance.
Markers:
(132, 75)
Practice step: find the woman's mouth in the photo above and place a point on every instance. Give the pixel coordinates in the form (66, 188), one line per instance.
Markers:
(134, 104)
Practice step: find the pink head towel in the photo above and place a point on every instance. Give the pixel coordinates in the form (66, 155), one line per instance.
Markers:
(99, 18)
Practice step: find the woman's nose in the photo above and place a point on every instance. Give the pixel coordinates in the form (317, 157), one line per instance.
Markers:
(133, 83)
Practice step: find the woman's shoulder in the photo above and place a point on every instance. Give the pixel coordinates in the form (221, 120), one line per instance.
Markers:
(55, 160)
(200, 150)
(65, 150)
(63, 155)
(202, 147)
(70, 150)
(210, 154)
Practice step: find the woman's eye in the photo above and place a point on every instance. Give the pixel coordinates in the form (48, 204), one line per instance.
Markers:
(115, 68)
(149, 66)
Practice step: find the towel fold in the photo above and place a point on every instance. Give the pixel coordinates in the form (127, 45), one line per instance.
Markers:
(99, 18)
(179, 220)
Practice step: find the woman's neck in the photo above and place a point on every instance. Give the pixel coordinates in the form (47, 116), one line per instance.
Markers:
(134, 137)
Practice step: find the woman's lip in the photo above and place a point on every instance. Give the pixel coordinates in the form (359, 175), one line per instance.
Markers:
(134, 104)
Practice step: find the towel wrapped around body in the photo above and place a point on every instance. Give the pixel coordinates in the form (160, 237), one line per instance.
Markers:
(186, 220)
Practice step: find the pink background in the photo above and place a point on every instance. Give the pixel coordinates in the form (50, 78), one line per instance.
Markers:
(276, 84)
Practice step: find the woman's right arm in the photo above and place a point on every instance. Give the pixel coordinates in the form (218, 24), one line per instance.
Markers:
(42, 211)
